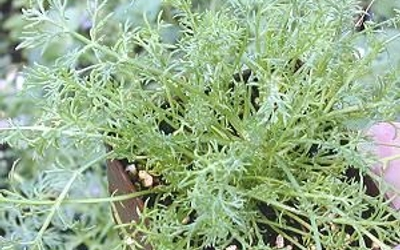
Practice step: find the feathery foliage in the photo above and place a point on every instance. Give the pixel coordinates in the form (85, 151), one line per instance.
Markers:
(242, 161)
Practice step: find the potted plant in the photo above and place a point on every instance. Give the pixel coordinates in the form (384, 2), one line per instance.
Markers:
(238, 134)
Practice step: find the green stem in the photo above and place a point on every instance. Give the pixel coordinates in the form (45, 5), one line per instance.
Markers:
(62, 196)
(75, 201)
(351, 109)
(115, 55)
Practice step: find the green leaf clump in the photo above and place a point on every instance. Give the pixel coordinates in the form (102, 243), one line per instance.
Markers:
(243, 116)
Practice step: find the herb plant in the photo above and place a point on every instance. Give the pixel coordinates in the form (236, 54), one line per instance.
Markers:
(248, 115)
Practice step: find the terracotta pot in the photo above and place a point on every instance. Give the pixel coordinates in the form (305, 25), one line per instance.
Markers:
(126, 211)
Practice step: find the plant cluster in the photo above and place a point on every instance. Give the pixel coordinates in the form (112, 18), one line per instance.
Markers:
(246, 115)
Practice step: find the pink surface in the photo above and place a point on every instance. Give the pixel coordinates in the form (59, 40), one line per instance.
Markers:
(386, 137)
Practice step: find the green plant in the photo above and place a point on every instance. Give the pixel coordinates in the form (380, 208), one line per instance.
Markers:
(241, 161)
